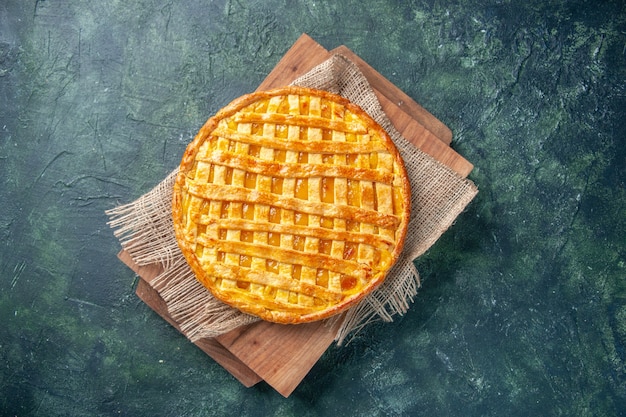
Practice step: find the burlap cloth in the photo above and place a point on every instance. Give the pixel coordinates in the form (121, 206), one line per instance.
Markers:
(438, 195)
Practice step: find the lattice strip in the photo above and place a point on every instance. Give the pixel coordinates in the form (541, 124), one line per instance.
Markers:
(384, 192)
(261, 211)
(311, 244)
(314, 121)
(269, 279)
(355, 213)
(316, 168)
(294, 144)
(286, 269)
(340, 196)
(235, 209)
(337, 233)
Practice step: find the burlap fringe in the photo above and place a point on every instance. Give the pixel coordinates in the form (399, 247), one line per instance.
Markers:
(145, 230)
(198, 313)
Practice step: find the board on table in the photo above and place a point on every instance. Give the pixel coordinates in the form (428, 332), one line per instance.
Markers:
(282, 355)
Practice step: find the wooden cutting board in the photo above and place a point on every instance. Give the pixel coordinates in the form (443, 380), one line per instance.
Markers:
(282, 355)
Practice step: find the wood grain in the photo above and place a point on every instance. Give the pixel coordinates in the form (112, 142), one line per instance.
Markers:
(281, 354)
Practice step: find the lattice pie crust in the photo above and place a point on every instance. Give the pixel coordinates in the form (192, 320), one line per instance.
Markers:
(291, 204)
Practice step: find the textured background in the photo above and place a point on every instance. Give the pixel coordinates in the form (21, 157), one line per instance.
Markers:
(523, 305)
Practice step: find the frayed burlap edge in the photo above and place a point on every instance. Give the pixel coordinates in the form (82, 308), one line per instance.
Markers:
(438, 195)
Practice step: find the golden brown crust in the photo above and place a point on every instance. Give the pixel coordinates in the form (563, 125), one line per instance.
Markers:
(291, 204)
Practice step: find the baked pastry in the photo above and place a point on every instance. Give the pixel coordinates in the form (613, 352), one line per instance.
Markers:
(291, 204)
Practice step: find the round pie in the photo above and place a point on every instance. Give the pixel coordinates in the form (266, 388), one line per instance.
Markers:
(291, 204)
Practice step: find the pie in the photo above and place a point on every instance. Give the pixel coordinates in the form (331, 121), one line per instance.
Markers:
(291, 204)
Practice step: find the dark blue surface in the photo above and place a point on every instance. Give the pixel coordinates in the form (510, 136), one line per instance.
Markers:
(523, 305)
